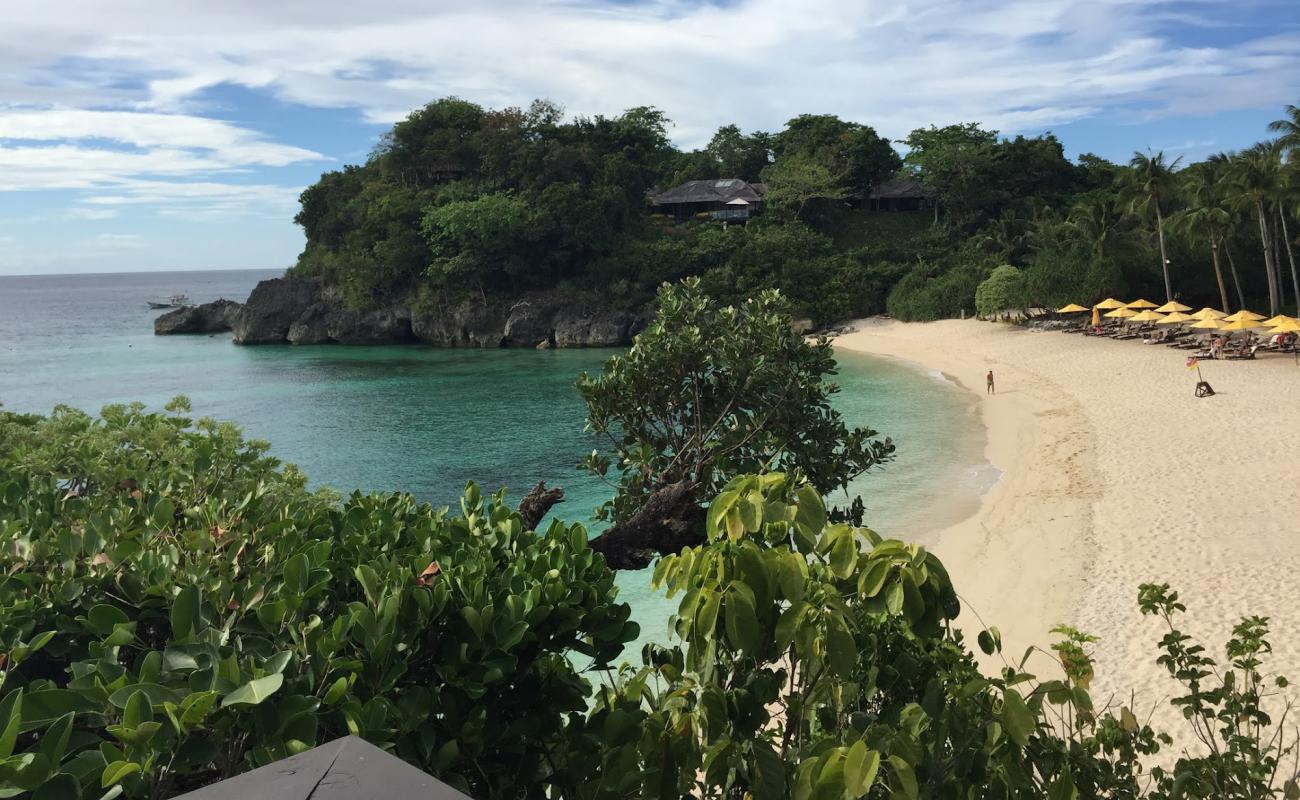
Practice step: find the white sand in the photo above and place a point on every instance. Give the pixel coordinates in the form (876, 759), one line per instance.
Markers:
(1115, 474)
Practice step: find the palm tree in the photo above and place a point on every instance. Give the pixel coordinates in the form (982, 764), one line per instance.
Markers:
(1151, 185)
(1208, 215)
(1288, 203)
(1255, 175)
(1289, 128)
(1098, 221)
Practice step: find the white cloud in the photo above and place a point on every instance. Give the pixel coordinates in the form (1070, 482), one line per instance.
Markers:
(131, 241)
(80, 212)
(106, 101)
(1011, 64)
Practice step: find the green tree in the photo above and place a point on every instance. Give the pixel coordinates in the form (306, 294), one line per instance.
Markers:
(1004, 289)
(476, 240)
(1255, 176)
(1150, 186)
(1289, 129)
(795, 181)
(1207, 215)
(705, 393)
(854, 153)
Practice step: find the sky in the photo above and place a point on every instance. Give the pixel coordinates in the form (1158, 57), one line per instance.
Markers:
(137, 135)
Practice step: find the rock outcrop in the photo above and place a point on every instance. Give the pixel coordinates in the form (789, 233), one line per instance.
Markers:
(273, 307)
(302, 311)
(218, 316)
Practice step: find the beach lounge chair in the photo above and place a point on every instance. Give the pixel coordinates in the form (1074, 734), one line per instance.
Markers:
(1241, 354)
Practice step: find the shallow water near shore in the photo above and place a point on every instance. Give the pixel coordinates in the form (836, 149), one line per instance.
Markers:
(425, 420)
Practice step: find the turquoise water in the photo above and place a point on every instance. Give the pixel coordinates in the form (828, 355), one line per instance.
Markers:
(423, 420)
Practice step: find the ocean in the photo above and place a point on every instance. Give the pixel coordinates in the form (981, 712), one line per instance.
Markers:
(423, 420)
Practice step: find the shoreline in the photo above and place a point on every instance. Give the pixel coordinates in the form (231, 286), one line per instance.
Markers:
(1015, 444)
(1115, 474)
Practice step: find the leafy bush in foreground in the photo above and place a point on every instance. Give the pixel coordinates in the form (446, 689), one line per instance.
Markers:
(176, 608)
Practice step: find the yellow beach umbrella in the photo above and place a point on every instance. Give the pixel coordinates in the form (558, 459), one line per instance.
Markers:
(1096, 317)
(1244, 314)
(1146, 316)
(1173, 306)
(1140, 304)
(1278, 320)
(1174, 317)
(1208, 313)
(1072, 308)
(1109, 302)
(1241, 324)
(1122, 313)
(1210, 323)
(1290, 326)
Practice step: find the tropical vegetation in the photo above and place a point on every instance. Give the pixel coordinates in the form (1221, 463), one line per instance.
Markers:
(176, 607)
(458, 201)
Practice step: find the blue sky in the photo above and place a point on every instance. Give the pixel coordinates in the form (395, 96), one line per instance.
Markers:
(143, 136)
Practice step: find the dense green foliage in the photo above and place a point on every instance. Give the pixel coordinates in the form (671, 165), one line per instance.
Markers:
(707, 393)
(176, 608)
(1003, 290)
(459, 200)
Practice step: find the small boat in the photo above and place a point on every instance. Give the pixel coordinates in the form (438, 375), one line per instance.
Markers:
(175, 301)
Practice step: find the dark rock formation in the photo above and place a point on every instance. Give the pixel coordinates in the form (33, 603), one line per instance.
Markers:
(303, 311)
(273, 307)
(215, 317)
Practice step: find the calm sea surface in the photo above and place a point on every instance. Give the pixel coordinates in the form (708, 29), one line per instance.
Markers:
(424, 420)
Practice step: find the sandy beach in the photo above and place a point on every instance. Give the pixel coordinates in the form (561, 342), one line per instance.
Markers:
(1115, 474)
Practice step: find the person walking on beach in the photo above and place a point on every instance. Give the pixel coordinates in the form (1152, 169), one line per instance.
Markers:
(988, 379)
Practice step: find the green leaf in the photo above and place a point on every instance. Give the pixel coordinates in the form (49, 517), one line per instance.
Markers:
(185, 613)
(811, 515)
(841, 651)
(196, 707)
(873, 578)
(116, 771)
(1017, 719)
(297, 571)
(54, 741)
(254, 692)
(894, 597)
(741, 619)
(906, 777)
(164, 514)
(157, 695)
(989, 641)
(137, 710)
(844, 556)
(61, 786)
(11, 718)
(103, 618)
(336, 691)
(788, 623)
(707, 619)
(1062, 788)
(718, 509)
(860, 766)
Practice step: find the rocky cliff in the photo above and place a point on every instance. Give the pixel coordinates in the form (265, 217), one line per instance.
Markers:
(302, 311)
(215, 317)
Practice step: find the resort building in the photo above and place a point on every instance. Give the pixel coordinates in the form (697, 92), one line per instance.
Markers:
(900, 194)
(729, 199)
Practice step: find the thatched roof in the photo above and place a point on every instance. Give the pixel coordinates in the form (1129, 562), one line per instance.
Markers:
(722, 190)
(900, 188)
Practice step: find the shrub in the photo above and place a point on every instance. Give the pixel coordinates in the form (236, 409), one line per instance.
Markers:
(177, 608)
(926, 294)
(1003, 290)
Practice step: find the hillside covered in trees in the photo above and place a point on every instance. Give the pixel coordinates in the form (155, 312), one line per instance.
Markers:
(459, 202)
